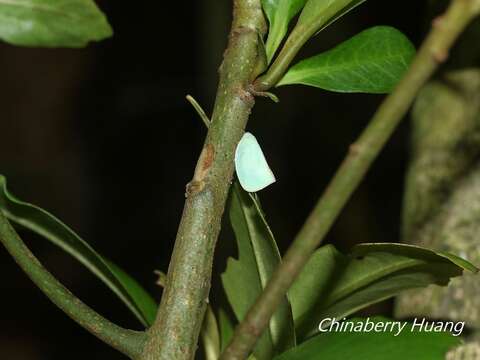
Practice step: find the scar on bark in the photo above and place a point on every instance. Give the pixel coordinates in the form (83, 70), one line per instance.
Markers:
(201, 171)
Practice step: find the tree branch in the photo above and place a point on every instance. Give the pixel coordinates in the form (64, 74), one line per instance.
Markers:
(433, 52)
(128, 342)
(442, 193)
(176, 330)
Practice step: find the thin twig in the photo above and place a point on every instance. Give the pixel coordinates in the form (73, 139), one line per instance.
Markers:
(445, 31)
(199, 110)
(162, 278)
(128, 342)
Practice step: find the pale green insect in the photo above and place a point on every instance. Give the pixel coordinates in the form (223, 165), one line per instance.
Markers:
(252, 168)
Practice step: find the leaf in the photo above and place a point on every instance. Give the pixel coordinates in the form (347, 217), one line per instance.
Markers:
(370, 62)
(279, 14)
(52, 23)
(409, 344)
(352, 5)
(261, 61)
(335, 285)
(245, 278)
(226, 328)
(49, 227)
(318, 14)
(210, 335)
(413, 250)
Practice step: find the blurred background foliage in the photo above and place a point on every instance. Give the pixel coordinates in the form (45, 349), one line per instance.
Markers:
(103, 138)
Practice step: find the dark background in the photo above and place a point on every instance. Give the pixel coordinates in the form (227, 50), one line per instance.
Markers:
(103, 138)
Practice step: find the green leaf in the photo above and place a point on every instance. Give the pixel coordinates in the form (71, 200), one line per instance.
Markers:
(408, 344)
(210, 335)
(335, 285)
(226, 328)
(261, 61)
(414, 251)
(370, 62)
(245, 278)
(279, 14)
(49, 227)
(52, 23)
(352, 5)
(318, 14)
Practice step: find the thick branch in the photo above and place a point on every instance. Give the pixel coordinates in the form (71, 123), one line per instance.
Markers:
(128, 342)
(434, 51)
(445, 146)
(442, 190)
(175, 332)
(442, 197)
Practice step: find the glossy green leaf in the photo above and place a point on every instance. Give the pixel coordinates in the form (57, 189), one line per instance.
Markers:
(408, 344)
(49, 227)
(370, 62)
(52, 23)
(245, 278)
(270, 7)
(335, 285)
(318, 14)
(279, 14)
(351, 5)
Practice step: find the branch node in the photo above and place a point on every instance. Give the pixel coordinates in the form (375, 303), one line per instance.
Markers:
(440, 55)
(246, 95)
(194, 187)
(355, 149)
(242, 30)
(266, 94)
(351, 172)
(439, 21)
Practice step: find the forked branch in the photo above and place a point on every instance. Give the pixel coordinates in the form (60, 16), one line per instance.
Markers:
(446, 29)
